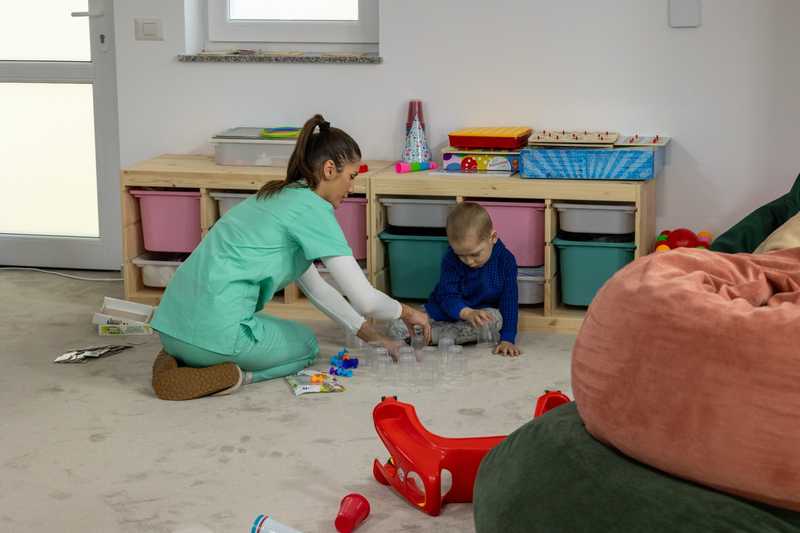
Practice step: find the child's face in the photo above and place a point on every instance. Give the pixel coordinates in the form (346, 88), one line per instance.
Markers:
(473, 251)
(336, 185)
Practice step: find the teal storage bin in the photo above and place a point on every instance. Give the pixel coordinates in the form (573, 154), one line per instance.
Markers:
(584, 266)
(414, 263)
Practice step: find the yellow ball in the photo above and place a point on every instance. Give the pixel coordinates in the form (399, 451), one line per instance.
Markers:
(704, 233)
(662, 248)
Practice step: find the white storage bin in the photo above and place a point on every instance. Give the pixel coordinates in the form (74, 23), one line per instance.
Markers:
(530, 285)
(329, 278)
(158, 269)
(245, 147)
(227, 200)
(416, 212)
(596, 218)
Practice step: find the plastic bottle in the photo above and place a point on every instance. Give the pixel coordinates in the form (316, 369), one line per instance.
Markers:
(266, 524)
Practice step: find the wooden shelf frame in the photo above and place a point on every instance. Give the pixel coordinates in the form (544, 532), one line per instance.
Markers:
(200, 173)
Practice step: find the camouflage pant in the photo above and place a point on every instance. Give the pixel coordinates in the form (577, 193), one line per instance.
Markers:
(461, 331)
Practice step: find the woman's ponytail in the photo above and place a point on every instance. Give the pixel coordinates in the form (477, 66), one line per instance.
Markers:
(311, 152)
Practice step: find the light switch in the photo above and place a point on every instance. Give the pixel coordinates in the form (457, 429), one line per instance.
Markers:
(684, 13)
(148, 29)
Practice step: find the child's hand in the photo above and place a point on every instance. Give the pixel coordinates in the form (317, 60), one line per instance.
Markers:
(507, 348)
(476, 317)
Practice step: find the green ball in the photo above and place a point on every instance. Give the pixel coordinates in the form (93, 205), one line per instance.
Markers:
(661, 238)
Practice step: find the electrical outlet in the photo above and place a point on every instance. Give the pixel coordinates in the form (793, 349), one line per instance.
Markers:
(148, 29)
(684, 13)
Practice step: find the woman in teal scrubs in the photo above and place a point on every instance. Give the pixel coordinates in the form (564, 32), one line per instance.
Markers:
(211, 312)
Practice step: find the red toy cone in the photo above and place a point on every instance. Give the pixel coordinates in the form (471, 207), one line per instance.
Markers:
(353, 510)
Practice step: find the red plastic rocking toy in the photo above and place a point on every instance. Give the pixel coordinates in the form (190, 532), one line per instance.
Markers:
(418, 457)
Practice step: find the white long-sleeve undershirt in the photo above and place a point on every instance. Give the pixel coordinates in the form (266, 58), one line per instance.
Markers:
(364, 299)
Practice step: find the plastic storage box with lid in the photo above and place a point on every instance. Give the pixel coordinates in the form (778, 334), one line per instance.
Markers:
(352, 217)
(530, 285)
(591, 163)
(417, 212)
(170, 219)
(228, 200)
(415, 262)
(520, 225)
(584, 266)
(245, 146)
(158, 269)
(596, 218)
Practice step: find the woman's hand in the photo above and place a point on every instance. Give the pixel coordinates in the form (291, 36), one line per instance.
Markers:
(507, 348)
(412, 317)
(476, 317)
(393, 347)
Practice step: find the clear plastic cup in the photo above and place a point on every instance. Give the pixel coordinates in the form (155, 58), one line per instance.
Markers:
(406, 365)
(430, 365)
(486, 335)
(417, 339)
(383, 364)
(456, 364)
(445, 343)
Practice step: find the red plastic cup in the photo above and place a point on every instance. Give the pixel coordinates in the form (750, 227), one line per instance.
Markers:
(353, 510)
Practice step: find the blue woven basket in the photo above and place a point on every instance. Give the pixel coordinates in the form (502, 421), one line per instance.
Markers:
(591, 163)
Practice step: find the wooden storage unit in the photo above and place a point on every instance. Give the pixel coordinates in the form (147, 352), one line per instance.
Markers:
(197, 172)
(200, 172)
(552, 315)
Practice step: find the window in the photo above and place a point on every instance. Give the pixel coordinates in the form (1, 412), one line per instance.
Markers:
(293, 21)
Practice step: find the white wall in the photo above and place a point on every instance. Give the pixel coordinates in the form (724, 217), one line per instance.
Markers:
(726, 92)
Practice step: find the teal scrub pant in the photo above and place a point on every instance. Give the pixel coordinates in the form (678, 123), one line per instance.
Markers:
(285, 348)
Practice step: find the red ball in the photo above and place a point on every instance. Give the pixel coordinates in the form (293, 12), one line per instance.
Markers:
(682, 237)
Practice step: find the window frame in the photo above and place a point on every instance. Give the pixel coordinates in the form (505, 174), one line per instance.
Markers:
(363, 31)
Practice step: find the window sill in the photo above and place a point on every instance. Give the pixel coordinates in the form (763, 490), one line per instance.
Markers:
(282, 57)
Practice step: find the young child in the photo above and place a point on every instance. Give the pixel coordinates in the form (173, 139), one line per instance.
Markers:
(478, 282)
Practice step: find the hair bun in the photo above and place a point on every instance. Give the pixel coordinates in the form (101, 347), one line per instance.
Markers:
(324, 125)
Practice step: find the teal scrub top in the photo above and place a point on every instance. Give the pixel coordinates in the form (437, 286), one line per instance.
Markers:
(255, 250)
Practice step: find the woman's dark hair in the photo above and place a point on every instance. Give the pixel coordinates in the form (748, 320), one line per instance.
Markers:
(311, 152)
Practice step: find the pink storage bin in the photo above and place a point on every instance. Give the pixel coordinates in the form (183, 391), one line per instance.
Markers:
(520, 225)
(170, 220)
(352, 217)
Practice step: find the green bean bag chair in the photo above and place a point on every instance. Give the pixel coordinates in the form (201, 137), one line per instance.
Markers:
(753, 229)
(551, 476)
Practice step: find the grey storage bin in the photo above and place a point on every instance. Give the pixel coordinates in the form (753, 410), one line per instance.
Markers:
(417, 212)
(245, 147)
(227, 200)
(530, 285)
(596, 218)
(158, 268)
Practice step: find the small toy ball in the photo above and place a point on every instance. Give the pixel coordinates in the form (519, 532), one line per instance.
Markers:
(661, 238)
(680, 238)
(318, 378)
(662, 248)
(704, 235)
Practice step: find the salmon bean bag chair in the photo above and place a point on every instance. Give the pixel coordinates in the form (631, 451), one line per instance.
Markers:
(689, 361)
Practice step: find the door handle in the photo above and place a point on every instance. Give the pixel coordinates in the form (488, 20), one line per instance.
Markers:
(87, 14)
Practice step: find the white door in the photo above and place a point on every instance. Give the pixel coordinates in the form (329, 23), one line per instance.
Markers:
(59, 141)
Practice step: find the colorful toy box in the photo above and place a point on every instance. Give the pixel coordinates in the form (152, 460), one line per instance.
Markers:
(500, 162)
(506, 138)
(591, 163)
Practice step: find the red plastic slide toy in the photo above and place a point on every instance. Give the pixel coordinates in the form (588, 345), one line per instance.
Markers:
(418, 457)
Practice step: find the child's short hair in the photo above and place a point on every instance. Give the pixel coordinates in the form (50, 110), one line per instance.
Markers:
(467, 218)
